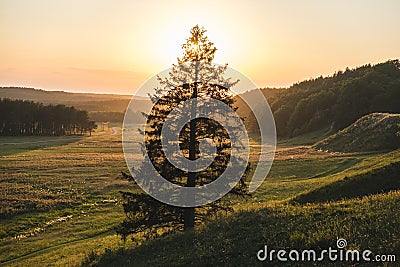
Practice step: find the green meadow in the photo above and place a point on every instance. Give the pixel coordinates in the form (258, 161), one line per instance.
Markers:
(60, 206)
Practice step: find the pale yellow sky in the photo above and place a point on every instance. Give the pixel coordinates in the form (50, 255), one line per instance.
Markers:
(114, 46)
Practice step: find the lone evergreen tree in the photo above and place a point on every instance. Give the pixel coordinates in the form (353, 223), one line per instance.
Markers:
(194, 76)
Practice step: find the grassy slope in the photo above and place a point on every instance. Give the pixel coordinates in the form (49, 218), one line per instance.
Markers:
(269, 219)
(379, 180)
(368, 223)
(84, 175)
(235, 240)
(373, 132)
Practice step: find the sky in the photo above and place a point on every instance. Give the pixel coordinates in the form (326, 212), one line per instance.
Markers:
(115, 46)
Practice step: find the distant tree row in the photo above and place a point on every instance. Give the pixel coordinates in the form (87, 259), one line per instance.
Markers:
(19, 117)
(337, 101)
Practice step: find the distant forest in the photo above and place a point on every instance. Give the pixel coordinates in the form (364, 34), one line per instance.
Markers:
(336, 101)
(325, 103)
(101, 107)
(19, 117)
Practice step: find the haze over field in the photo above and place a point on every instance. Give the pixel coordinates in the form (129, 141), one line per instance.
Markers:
(109, 47)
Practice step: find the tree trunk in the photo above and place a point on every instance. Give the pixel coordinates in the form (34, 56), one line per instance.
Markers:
(191, 181)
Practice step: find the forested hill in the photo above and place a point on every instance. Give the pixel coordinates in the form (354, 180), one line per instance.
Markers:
(101, 107)
(336, 101)
(332, 102)
(86, 101)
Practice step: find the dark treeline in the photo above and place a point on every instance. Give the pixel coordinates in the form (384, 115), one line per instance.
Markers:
(337, 101)
(19, 117)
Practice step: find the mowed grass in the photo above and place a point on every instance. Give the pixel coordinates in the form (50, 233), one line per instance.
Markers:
(60, 207)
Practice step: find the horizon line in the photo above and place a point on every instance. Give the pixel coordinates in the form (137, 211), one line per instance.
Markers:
(260, 87)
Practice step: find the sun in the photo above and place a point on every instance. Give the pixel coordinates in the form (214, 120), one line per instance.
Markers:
(159, 49)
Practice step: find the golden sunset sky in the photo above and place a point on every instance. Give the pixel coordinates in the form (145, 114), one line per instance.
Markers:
(114, 46)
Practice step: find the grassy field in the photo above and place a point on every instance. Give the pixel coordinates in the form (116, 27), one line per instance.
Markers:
(59, 206)
(59, 199)
(235, 240)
